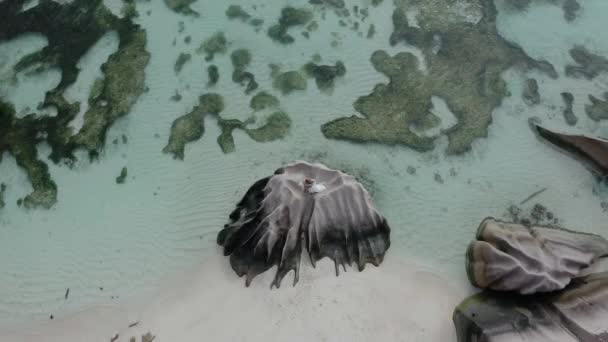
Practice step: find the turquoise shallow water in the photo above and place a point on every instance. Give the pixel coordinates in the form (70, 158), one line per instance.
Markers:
(114, 243)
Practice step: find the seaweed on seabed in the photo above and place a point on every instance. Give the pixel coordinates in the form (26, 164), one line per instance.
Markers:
(466, 71)
(241, 58)
(190, 127)
(182, 6)
(19, 137)
(290, 16)
(325, 75)
(71, 30)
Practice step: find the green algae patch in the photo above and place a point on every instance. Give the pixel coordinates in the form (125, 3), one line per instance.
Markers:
(237, 12)
(190, 127)
(241, 58)
(182, 59)
(530, 93)
(276, 127)
(263, 100)
(2, 191)
(122, 176)
(387, 113)
(213, 75)
(568, 112)
(123, 84)
(465, 60)
(71, 30)
(598, 109)
(325, 75)
(290, 17)
(371, 31)
(19, 138)
(213, 45)
(289, 82)
(182, 7)
(589, 66)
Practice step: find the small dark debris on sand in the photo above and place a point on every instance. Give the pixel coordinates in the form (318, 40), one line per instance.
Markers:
(534, 194)
(538, 214)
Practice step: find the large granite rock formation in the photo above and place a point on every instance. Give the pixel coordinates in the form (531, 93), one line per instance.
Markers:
(326, 212)
(541, 284)
(529, 259)
(578, 313)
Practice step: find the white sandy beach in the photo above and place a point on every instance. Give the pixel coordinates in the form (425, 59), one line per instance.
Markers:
(399, 301)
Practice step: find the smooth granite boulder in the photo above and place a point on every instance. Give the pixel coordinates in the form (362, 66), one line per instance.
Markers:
(577, 313)
(529, 259)
(303, 206)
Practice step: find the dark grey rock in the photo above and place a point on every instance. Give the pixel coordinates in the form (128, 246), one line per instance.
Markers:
(303, 207)
(529, 259)
(577, 313)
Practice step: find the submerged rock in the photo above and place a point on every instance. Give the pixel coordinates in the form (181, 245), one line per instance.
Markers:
(290, 16)
(569, 116)
(530, 94)
(589, 64)
(598, 109)
(182, 6)
(592, 152)
(577, 313)
(465, 61)
(514, 257)
(325, 75)
(303, 206)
